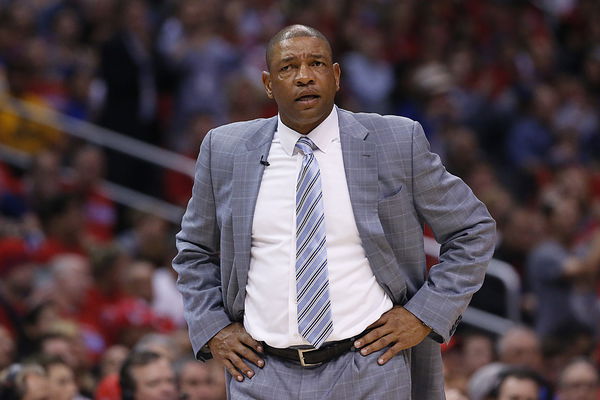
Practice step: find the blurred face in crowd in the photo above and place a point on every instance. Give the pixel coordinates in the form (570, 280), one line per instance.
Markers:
(477, 352)
(579, 381)
(61, 382)
(196, 381)
(89, 166)
(514, 388)
(303, 80)
(155, 381)
(36, 387)
(138, 280)
(565, 217)
(61, 347)
(520, 347)
(72, 276)
(19, 281)
(112, 359)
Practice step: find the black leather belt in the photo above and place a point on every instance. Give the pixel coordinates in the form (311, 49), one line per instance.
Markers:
(311, 357)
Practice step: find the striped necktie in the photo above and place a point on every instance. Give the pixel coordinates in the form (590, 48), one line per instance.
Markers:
(312, 281)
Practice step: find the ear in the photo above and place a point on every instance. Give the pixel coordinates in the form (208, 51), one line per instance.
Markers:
(337, 72)
(266, 78)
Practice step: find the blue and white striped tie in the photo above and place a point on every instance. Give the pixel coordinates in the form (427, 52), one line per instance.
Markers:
(312, 280)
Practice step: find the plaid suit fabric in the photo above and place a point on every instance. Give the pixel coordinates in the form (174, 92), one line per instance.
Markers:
(351, 376)
(396, 185)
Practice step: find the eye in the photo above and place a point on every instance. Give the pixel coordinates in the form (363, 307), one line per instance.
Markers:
(318, 63)
(285, 68)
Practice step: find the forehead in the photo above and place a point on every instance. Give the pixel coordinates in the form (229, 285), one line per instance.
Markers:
(301, 47)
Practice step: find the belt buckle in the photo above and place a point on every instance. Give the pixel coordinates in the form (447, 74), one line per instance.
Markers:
(301, 357)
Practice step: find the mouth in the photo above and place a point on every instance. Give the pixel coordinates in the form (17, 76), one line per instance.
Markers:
(308, 97)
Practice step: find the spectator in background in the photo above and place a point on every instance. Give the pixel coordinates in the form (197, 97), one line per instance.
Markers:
(112, 360)
(71, 279)
(520, 347)
(522, 229)
(42, 181)
(579, 381)
(67, 342)
(477, 351)
(16, 284)
(563, 277)
(147, 376)
(20, 133)
(110, 365)
(531, 138)
(368, 59)
(61, 379)
(126, 65)
(518, 384)
(202, 59)
(136, 281)
(86, 183)
(62, 221)
(107, 266)
(147, 239)
(199, 381)
(178, 186)
(24, 382)
(39, 321)
(130, 106)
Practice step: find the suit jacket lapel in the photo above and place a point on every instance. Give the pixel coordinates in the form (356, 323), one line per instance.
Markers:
(247, 175)
(360, 164)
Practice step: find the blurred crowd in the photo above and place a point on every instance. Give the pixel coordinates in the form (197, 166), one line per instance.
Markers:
(508, 92)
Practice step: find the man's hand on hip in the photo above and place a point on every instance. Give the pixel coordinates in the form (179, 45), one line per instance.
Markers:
(231, 346)
(397, 328)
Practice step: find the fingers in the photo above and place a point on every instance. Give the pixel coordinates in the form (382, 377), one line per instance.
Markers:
(248, 354)
(249, 349)
(250, 342)
(232, 346)
(241, 366)
(234, 370)
(370, 337)
(377, 345)
(391, 352)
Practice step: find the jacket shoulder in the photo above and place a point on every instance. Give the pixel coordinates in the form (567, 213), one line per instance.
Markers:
(377, 121)
(231, 135)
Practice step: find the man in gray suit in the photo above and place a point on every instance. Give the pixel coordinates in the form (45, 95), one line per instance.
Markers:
(301, 250)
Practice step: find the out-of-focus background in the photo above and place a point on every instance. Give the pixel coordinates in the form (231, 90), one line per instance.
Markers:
(104, 103)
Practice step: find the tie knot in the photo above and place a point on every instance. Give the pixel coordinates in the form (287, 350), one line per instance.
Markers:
(305, 145)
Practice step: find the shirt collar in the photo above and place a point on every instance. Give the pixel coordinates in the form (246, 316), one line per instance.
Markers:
(322, 136)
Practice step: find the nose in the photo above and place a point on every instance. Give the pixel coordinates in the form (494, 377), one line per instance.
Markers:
(304, 76)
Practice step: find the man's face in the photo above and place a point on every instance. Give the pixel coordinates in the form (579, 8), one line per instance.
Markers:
(303, 81)
(36, 387)
(518, 389)
(579, 382)
(155, 381)
(196, 381)
(61, 382)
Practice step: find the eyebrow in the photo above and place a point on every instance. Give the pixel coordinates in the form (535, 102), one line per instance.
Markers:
(290, 58)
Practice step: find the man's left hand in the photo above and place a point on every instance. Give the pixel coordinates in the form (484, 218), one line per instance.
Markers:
(397, 328)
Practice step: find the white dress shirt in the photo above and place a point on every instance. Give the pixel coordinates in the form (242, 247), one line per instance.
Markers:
(357, 300)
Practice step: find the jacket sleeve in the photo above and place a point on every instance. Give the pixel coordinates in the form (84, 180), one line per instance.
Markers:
(466, 232)
(197, 261)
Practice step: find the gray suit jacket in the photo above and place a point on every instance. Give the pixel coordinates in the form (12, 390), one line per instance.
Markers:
(396, 185)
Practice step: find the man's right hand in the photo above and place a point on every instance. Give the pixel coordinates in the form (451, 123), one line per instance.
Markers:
(231, 346)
